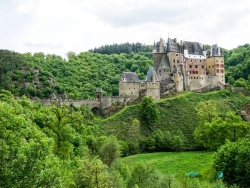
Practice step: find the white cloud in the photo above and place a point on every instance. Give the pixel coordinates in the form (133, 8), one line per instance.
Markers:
(59, 26)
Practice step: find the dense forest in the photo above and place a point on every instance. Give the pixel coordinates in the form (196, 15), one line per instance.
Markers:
(123, 48)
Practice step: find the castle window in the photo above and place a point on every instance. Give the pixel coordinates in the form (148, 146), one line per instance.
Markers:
(212, 66)
(194, 60)
(177, 61)
(197, 78)
(174, 60)
(190, 66)
(196, 72)
(200, 60)
(217, 65)
(131, 92)
(222, 71)
(129, 88)
(191, 60)
(217, 71)
(194, 77)
(196, 66)
(221, 61)
(221, 65)
(208, 66)
(176, 54)
(202, 66)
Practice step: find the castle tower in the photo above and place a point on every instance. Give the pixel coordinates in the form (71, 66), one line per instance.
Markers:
(215, 64)
(152, 84)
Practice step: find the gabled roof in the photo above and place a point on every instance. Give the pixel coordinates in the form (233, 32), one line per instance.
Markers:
(99, 90)
(151, 72)
(193, 47)
(164, 63)
(130, 76)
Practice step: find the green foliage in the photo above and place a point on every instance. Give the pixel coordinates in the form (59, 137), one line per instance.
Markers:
(176, 163)
(241, 82)
(149, 110)
(109, 151)
(17, 75)
(176, 114)
(123, 48)
(26, 157)
(217, 125)
(81, 74)
(237, 63)
(233, 159)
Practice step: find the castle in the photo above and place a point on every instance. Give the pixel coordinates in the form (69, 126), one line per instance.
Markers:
(184, 66)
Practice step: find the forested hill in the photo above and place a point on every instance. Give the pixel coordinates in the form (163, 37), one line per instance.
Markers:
(237, 62)
(41, 75)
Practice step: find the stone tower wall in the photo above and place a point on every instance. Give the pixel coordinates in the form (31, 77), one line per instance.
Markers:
(153, 89)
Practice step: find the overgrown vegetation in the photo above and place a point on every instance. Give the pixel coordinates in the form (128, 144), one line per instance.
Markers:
(177, 121)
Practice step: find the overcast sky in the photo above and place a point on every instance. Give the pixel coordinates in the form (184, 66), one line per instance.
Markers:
(60, 26)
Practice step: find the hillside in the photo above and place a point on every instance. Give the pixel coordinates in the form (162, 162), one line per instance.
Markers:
(176, 114)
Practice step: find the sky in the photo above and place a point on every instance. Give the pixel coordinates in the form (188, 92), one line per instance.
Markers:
(61, 26)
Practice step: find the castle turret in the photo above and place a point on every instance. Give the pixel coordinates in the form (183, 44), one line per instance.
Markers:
(161, 46)
(98, 93)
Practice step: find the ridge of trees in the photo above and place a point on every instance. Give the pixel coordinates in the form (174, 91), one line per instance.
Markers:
(123, 48)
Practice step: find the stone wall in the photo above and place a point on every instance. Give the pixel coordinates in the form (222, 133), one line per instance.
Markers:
(76, 103)
(178, 80)
(153, 89)
(129, 89)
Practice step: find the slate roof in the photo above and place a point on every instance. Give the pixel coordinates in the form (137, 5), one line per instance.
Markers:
(193, 47)
(151, 72)
(158, 45)
(99, 90)
(130, 76)
(164, 63)
(215, 50)
(172, 45)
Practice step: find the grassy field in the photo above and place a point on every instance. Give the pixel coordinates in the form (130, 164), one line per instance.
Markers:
(177, 163)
